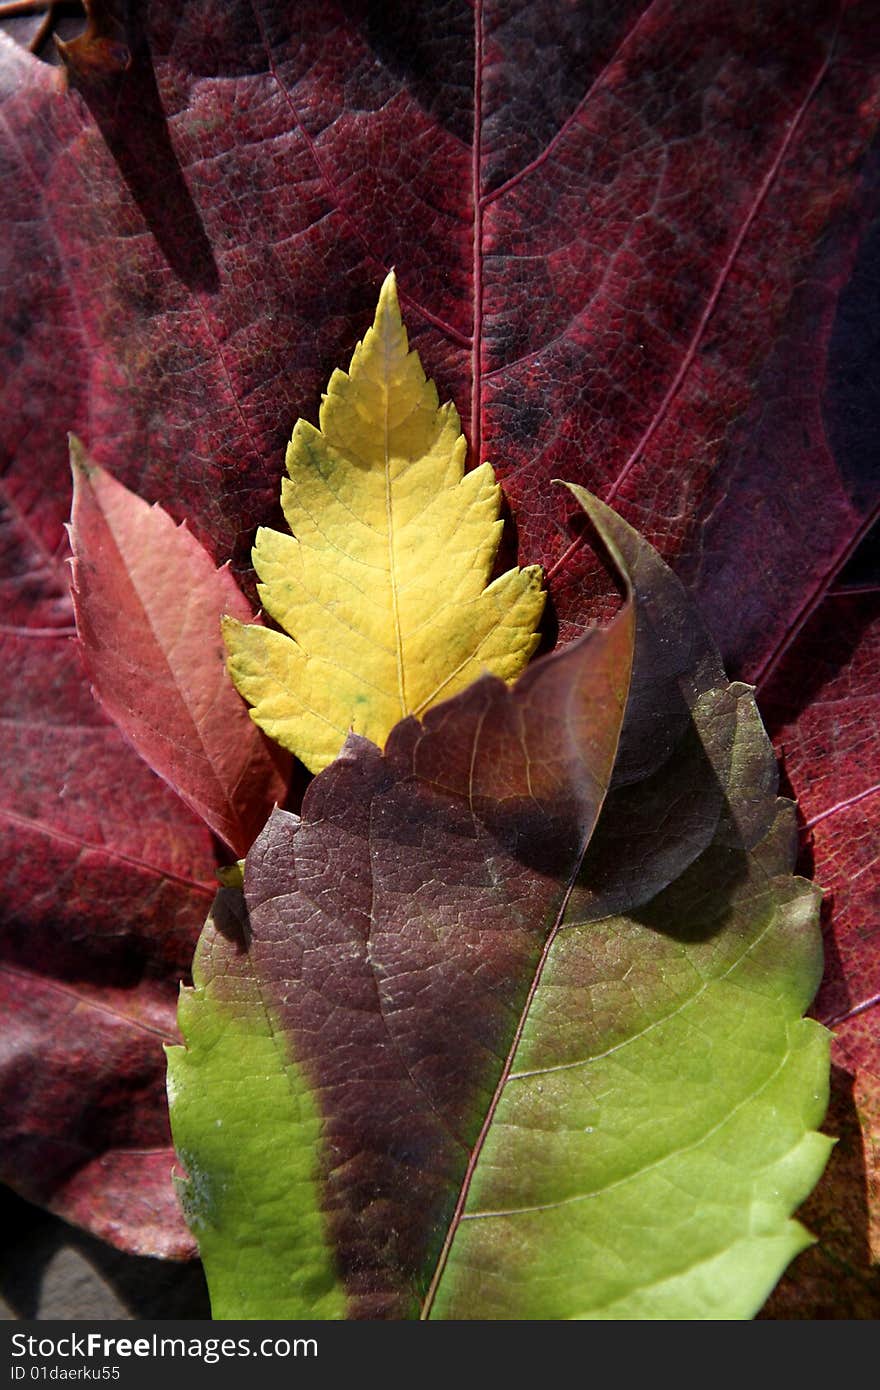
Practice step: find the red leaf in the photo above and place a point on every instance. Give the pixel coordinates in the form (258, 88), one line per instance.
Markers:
(636, 235)
(148, 603)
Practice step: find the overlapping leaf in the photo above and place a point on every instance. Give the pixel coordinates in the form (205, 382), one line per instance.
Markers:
(472, 1093)
(383, 583)
(149, 604)
(640, 260)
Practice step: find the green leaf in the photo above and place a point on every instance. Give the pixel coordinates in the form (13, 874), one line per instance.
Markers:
(383, 585)
(551, 1079)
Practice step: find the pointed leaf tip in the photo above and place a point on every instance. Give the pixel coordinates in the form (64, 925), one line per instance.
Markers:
(79, 459)
(606, 522)
(388, 291)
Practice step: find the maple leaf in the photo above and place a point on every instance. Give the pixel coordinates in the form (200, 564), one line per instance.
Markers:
(463, 1087)
(642, 260)
(383, 582)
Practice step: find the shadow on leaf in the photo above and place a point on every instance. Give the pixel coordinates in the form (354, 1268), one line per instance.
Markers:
(111, 68)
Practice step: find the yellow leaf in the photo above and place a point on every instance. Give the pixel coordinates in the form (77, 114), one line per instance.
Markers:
(383, 584)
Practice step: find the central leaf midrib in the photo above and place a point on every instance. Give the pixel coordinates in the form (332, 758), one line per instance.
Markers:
(392, 559)
(184, 689)
(501, 1085)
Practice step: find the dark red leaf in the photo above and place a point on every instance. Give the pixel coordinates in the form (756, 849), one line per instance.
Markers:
(638, 236)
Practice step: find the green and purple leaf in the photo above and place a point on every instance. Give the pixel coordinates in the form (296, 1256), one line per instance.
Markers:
(474, 1093)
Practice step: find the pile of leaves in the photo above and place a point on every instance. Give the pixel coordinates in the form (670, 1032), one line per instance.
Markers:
(507, 1023)
(636, 246)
